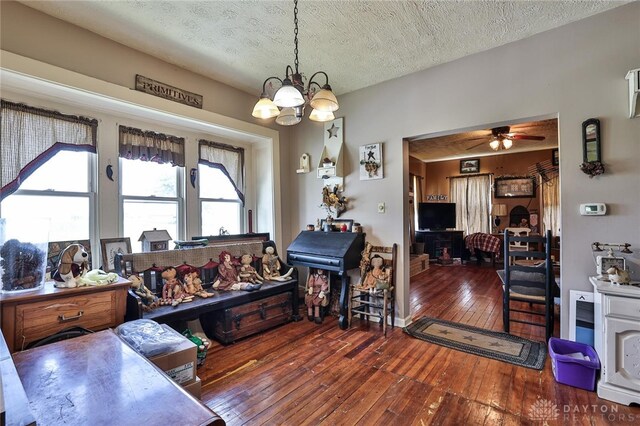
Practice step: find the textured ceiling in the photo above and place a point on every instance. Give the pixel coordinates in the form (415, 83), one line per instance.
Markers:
(358, 43)
(476, 143)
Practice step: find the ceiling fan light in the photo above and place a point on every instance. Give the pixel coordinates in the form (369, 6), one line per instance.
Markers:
(324, 100)
(265, 108)
(507, 143)
(288, 117)
(321, 116)
(495, 144)
(288, 96)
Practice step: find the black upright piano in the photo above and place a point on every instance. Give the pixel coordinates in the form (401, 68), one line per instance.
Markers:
(336, 252)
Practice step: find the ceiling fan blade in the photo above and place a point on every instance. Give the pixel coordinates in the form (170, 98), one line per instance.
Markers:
(476, 145)
(520, 136)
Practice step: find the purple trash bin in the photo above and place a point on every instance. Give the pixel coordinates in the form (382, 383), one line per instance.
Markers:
(580, 373)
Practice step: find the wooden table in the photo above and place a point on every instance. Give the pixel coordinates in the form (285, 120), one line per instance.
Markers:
(98, 379)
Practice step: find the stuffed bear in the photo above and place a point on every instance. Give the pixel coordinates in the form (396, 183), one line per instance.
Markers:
(149, 300)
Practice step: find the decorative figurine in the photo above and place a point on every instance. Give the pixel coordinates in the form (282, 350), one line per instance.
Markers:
(618, 276)
(193, 285)
(316, 294)
(247, 272)
(445, 258)
(271, 266)
(377, 275)
(149, 300)
(172, 292)
(72, 266)
(228, 278)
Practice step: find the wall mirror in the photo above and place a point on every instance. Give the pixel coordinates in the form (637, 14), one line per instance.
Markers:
(591, 140)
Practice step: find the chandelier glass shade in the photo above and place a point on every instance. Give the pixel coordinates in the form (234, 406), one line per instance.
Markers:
(290, 99)
(500, 143)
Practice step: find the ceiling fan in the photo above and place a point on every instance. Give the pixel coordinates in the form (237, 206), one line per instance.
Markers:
(501, 138)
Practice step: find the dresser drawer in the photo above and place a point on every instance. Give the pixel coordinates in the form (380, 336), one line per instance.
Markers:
(622, 307)
(41, 319)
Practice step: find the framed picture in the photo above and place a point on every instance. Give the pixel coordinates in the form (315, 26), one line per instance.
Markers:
(515, 187)
(371, 161)
(336, 224)
(555, 157)
(470, 165)
(603, 263)
(110, 247)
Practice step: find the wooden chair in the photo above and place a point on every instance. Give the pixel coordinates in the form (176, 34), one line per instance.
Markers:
(532, 284)
(374, 294)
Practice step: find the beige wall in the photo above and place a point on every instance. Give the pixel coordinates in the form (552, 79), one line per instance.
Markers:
(575, 72)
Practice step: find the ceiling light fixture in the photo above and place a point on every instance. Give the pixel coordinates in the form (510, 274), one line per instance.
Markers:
(500, 143)
(289, 101)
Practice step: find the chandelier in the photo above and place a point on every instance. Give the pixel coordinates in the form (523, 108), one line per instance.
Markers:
(289, 101)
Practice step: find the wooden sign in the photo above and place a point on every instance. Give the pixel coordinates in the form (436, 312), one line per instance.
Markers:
(152, 87)
(436, 197)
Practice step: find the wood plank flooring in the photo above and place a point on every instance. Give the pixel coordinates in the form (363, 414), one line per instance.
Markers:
(308, 374)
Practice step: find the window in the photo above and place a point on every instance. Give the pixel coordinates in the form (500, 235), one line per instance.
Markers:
(58, 191)
(220, 206)
(151, 198)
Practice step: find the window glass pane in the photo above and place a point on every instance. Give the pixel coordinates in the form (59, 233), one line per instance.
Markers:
(146, 178)
(65, 171)
(220, 214)
(68, 216)
(140, 216)
(215, 184)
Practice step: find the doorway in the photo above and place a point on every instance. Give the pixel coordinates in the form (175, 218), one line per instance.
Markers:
(526, 148)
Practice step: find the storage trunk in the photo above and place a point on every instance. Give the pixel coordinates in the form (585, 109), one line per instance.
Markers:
(251, 318)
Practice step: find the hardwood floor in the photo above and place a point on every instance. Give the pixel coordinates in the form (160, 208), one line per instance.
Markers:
(304, 373)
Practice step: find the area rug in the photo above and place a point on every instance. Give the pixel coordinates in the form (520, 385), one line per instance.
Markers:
(477, 341)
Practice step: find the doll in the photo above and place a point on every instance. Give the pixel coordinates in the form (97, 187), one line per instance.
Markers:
(193, 285)
(316, 294)
(247, 272)
(228, 278)
(271, 266)
(172, 291)
(149, 300)
(377, 275)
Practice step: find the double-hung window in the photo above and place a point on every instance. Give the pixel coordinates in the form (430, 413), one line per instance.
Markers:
(151, 170)
(221, 188)
(47, 170)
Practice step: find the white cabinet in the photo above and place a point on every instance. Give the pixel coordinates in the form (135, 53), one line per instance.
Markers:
(617, 340)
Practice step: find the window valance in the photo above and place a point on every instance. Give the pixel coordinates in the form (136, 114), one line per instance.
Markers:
(30, 136)
(228, 159)
(145, 145)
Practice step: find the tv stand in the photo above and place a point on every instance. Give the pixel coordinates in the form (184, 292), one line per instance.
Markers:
(435, 241)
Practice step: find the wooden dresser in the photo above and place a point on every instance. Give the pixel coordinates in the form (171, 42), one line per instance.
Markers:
(30, 316)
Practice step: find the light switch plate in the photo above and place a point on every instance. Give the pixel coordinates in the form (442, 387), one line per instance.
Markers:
(381, 208)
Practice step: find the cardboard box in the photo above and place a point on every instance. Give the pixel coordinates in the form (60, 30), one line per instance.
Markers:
(195, 388)
(181, 363)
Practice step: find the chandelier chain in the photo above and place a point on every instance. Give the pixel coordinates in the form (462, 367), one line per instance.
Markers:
(295, 32)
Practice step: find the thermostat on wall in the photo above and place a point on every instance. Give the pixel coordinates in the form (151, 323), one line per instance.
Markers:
(593, 209)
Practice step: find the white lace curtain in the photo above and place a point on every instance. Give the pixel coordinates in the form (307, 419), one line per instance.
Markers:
(472, 196)
(31, 136)
(226, 158)
(145, 145)
(551, 206)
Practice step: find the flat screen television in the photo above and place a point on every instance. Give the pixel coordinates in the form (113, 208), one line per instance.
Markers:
(436, 216)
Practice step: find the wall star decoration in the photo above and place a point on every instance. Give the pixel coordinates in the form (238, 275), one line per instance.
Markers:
(333, 131)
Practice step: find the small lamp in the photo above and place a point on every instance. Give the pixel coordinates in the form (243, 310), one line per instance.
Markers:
(498, 210)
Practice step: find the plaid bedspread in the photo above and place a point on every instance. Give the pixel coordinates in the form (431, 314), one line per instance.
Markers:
(484, 242)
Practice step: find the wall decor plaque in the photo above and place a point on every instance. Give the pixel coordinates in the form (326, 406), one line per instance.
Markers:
(162, 90)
